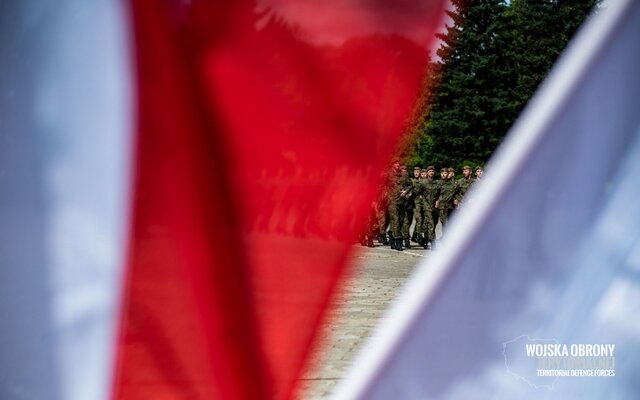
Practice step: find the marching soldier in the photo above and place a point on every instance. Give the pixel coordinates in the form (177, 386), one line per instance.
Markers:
(366, 237)
(436, 212)
(399, 191)
(431, 195)
(410, 210)
(407, 215)
(463, 185)
(419, 209)
(448, 190)
(382, 210)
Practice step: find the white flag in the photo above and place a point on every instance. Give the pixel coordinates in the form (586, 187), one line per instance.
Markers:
(540, 278)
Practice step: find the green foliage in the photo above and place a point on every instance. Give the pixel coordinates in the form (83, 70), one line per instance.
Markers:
(492, 58)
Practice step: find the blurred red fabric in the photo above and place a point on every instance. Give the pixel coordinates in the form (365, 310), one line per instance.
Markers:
(262, 129)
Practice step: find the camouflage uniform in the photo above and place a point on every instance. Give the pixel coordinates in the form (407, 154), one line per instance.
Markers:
(419, 210)
(463, 185)
(397, 202)
(409, 211)
(382, 213)
(431, 195)
(448, 189)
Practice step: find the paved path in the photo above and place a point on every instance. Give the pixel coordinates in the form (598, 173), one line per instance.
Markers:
(377, 278)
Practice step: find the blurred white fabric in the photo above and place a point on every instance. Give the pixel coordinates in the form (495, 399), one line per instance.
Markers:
(65, 152)
(550, 248)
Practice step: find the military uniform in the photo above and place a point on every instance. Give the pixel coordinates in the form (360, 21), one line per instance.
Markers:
(399, 188)
(382, 211)
(431, 195)
(448, 189)
(410, 210)
(419, 210)
(463, 184)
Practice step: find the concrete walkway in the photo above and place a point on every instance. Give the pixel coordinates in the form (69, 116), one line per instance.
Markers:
(377, 278)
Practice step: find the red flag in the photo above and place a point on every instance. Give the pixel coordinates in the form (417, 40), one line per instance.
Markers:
(262, 129)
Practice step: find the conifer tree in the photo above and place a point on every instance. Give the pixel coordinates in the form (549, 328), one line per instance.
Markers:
(493, 56)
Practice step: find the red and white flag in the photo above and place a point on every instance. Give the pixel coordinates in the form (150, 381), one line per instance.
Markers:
(547, 254)
(181, 181)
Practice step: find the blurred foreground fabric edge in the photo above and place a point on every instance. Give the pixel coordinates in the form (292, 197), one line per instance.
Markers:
(181, 182)
(548, 253)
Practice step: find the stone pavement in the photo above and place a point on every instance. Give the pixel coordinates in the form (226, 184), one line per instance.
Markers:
(376, 279)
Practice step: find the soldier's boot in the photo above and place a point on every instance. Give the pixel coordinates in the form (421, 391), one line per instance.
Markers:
(392, 242)
(399, 244)
(407, 244)
(425, 243)
(370, 241)
(419, 239)
(414, 238)
(383, 239)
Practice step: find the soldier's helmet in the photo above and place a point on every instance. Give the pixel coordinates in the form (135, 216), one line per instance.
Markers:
(466, 167)
(430, 168)
(451, 169)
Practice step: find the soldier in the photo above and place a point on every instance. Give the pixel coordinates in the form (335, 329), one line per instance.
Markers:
(399, 191)
(436, 212)
(407, 215)
(382, 212)
(463, 185)
(431, 196)
(419, 211)
(428, 192)
(448, 190)
(410, 211)
(443, 178)
(366, 237)
(395, 169)
(479, 173)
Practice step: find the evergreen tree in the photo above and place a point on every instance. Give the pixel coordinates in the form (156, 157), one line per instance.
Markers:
(464, 111)
(535, 35)
(493, 57)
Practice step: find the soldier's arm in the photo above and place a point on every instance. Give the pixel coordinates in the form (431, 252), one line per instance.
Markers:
(407, 189)
(457, 194)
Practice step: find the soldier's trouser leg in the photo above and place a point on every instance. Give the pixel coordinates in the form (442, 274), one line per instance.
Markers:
(435, 215)
(429, 228)
(395, 223)
(373, 223)
(444, 218)
(419, 215)
(406, 222)
(382, 222)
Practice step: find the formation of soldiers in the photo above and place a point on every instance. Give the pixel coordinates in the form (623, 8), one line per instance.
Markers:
(422, 198)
